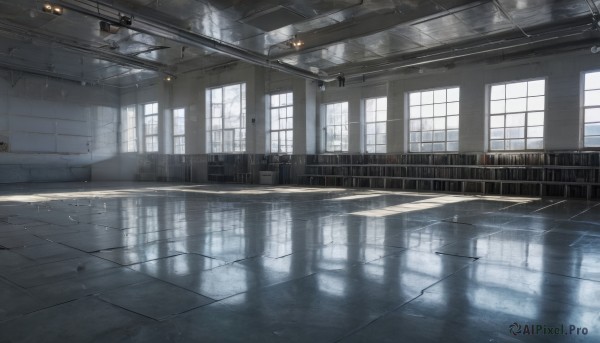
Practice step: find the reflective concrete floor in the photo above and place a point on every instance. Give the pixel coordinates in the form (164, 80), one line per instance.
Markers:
(143, 262)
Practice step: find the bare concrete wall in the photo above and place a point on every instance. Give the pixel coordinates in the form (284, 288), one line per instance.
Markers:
(54, 130)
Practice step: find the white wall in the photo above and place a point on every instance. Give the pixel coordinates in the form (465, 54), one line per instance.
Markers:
(562, 127)
(54, 129)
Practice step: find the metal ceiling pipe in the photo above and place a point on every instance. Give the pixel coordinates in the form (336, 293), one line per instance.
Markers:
(47, 40)
(53, 75)
(467, 52)
(157, 27)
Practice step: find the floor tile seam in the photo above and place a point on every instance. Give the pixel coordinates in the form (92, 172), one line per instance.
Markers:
(125, 309)
(483, 260)
(59, 280)
(548, 206)
(43, 263)
(386, 313)
(584, 211)
(45, 308)
(176, 285)
(135, 263)
(260, 289)
(571, 277)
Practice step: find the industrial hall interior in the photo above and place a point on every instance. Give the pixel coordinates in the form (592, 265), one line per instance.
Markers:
(299, 171)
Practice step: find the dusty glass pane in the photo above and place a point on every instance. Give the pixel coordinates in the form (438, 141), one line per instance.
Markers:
(592, 98)
(516, 144)
(497, 92)
(439, 96)
(592, 115)
(592, 129)
(414, 99)
(452, 135)
(535, 88)
(439, 110)
(516, 119)
(516, 105)
(453, 95)
(497, 107)
(592, 141)
(497, 145)
(516, 90)
(535, 118)
(497, 133)
(535, 143)
(415, 125)
(370, 105)
(382, 104)
(496, 121)
(452, 122)
(535, 103)
(535, 131)
(427, 98)
(515, 132)
(592, 80)
(427, 111)
(415, 112)
(452, 146)
(439, 124)
(453, 108)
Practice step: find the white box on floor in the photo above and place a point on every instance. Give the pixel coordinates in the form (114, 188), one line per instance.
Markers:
(267, 178)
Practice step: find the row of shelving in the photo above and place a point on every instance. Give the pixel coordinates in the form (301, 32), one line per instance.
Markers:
(574, 174)
(451, 172)
(591, 159)
(486, 187)
(228, 168)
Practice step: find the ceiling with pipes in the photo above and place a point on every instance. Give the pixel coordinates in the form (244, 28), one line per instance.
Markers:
(127, 42)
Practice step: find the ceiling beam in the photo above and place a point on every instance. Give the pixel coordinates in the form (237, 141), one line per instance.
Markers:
(72, 45)
(573, 35)
(153, 25)
(368, 25)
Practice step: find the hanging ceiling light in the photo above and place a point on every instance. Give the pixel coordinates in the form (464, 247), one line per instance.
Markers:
(295, 42)
(51, 8)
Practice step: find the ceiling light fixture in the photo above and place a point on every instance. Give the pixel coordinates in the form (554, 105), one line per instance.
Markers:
(295, 42)
(51, 8)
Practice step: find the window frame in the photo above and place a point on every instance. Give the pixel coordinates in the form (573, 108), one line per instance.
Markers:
(287, 119)
(526, 112)
(445, 116)
(342, 131)
(154, 136)
(210, 116)
(376, 122)
(129, 137)
(583, 111)
(178, 136)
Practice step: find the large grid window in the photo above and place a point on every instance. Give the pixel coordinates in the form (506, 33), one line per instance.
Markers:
(282, 118)
(129, 130)
(375, 125)
(517, 115)
(179, 131)
(433, 125)
(226, 122)
(151, 127)
(591, 115)
(336, 130)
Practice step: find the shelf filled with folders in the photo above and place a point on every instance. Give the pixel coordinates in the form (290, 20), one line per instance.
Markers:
(530, 174)
(227, 168)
